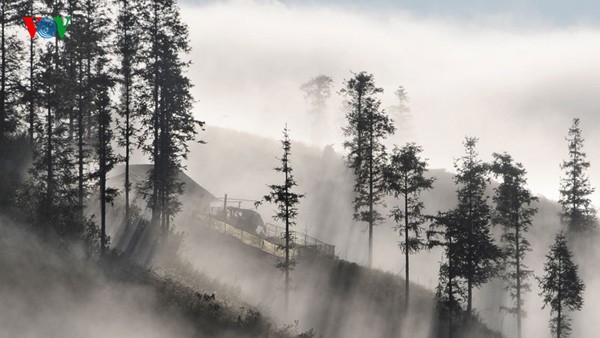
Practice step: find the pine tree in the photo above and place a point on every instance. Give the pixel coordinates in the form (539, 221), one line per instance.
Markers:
(400, 112)
(127, 47)
(54, 159)
(13, 153)
(451, 290)
(368, 125)
(164, 107)
(53, 170)
(514, 212)
(578, 214)
(476, 245)
(10, 68)
(287, 207)
(81, 46)
(30, 98)
(316, 93)
(95, 108)
(101, 85)
(405, 178)
(562, 288)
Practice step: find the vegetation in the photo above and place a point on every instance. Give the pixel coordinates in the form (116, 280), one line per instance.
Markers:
(316, 92)
(286, 201)
(475, 244)
(368, 125)
(405, 177)
(513, 211)
(562, 288)
(578, 213)
(74, 107)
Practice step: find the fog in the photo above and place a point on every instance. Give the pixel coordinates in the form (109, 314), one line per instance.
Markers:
(516, 84)
(240, 164)
(47, 291)
(490, 76)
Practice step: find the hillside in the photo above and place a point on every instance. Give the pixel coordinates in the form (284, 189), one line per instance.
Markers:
(44, 286)
(334, 297)
(240, 164)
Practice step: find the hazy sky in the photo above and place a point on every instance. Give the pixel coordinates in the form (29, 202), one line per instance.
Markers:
(512, 73)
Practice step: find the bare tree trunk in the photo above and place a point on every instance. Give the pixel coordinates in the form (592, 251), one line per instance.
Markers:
(31, 93)
(518, 261)
(127, 80)
(80, 132)
(156, 173)
(102, 139)
(406, 248)
(371, 216)
(470, 261)
(287, 240)
(559, 296)
(450, 291)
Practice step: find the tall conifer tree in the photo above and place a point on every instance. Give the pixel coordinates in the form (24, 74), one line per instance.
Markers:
(164, 106)
(127, 51)
(368, 125)
(578, 213)
(405, 179)
(287, 208)
(481, 255)
(514, 212)
(562, 288)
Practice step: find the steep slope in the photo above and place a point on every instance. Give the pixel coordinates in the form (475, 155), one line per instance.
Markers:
(51, 291)
(334, 297)
(240, 164)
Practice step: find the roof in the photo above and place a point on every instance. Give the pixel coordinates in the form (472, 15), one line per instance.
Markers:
(139, 172)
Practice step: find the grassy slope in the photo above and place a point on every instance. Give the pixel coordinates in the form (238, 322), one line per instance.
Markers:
(335, 297)
(50, 291)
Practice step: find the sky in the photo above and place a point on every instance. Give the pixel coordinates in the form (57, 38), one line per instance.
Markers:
(548, 11)
(512, 73)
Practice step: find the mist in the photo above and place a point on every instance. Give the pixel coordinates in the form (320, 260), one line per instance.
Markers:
(64, 296)
(75, 265)
(488, 76)
(491, 75)
(239, 164)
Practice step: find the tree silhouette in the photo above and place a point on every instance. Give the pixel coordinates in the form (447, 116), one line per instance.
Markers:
(450, 291)
(405, 178)
(30, 97)
(316, 93)
(514, 212)
(287, 207)
(10, 64)
(578, 213)
(476, 245)
(562, 288)
(368, 125)
(400, 111)
(101, 85)
(127, 50)
(164, 105)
